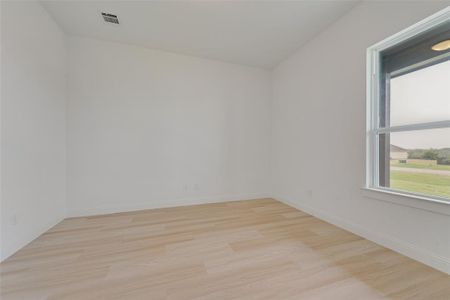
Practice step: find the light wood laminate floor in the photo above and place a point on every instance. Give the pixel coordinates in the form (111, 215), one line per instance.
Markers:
(258, 249)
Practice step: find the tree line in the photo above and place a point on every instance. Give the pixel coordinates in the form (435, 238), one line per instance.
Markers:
(442, 156)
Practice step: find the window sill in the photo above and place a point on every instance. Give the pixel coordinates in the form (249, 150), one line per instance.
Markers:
(404, 199)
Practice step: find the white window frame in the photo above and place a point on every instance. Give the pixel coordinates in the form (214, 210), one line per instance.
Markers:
(372, 108)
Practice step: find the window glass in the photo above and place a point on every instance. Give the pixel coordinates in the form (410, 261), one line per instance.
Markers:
(419, 162)
(421, 96)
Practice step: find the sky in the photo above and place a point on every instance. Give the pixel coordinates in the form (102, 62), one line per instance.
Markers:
(419, 97)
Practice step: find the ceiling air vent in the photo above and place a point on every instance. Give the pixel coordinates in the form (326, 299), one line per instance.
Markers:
(110, 18)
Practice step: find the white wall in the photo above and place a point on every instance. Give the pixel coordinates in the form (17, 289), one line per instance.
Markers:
(152, 129)
(318, 141)
(33, 82)
(149, 129)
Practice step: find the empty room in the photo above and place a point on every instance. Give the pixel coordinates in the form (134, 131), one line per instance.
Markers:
(225, 149)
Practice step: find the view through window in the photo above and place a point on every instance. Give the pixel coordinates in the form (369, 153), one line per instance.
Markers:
(420, 159)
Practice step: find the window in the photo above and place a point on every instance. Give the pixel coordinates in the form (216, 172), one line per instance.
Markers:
(408, 111)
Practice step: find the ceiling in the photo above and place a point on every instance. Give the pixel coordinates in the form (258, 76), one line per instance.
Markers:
(255, 33)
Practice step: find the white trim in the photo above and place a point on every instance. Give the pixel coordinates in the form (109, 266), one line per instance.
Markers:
(372, 96)
(422, 255)
(372, 99)
(163, 203)
(435, 205)
(434, 20)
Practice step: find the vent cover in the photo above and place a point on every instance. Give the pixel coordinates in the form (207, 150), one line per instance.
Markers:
(110, 18)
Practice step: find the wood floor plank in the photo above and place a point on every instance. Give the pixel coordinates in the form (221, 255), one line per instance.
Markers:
(255, 249)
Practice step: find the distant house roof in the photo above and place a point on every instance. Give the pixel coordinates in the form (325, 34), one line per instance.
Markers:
(394, 148)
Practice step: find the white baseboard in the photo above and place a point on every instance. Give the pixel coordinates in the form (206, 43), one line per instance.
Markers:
(424, 256)
(117, 208)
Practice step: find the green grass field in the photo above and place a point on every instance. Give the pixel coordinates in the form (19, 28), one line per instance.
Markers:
(420, 166)
(428, 184)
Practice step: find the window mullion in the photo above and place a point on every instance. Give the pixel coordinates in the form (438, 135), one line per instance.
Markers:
(411, 127)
